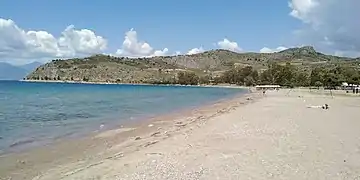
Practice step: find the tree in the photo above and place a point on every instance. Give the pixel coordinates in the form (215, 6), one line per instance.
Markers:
(279, 74)
(274, 71)
(246, 71)
(249, 81)
(266, 77)
(255, 76)
(204, 79)
(188, 78)
(238, 75)
(354, 79)
(290, 76)
(286, 75)
(217, 80)
(347, 74)
(85, 79)
(316, 75)
(330, 80)
(302, 79)
(242, 74)
(229, 76)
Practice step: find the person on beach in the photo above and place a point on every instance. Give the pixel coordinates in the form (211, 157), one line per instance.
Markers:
(325, 106)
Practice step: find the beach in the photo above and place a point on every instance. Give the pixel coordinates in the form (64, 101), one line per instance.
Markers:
(282, 135)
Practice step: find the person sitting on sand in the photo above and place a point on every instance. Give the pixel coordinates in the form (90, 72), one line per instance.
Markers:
(325, 106)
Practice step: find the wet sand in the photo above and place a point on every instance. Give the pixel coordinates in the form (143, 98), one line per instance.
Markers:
(273, 137)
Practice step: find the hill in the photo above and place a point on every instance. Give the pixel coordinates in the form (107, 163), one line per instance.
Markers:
(104, 68)
(31, 66)
(12, 72)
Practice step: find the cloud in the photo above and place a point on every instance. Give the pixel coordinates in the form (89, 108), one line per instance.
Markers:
(229, 45)
(329, 24)
(132, 47)
(21, 45)
(303, 9)
(163, 52)
(268, 50)
(82, 41)
(195, 51)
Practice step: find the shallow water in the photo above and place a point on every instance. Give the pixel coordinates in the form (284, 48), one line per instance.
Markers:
(32, 114)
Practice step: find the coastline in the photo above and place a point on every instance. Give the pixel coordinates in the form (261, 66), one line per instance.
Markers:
(99, 144)
(140, 84)
(108, 121)
(281, 135)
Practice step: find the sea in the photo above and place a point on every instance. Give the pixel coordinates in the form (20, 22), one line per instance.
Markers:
(34, 114)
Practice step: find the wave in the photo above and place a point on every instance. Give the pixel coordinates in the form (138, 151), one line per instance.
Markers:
(22, 142)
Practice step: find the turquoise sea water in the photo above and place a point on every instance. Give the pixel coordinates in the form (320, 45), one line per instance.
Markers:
(32, 114)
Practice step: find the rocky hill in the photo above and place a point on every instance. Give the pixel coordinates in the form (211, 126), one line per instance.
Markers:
(103, 68)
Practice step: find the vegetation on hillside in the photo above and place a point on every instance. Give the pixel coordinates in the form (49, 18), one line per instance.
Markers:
(292, 76)
(292, 67)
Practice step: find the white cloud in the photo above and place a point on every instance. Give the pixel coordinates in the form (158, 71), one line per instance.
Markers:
(20, 45)
(329, 24)
(82, 41)
(132, 47)
(195, 51)
(163, 52)
(268, 50)
(303, 9)
(229, 45)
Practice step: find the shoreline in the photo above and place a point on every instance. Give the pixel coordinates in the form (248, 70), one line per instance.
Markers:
(132, 122)
(284, 134)
(40, 158)
(139, 84)
(24, 145)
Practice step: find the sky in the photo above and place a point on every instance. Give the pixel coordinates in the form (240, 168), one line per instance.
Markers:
(42, 30)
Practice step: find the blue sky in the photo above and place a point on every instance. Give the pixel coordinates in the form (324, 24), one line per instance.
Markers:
(175, 25)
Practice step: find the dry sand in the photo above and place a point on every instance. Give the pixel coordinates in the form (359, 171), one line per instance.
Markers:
(271, 137)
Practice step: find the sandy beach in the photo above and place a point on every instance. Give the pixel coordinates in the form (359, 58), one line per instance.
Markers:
(277, 136)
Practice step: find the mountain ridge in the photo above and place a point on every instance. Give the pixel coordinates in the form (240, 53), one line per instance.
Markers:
(13, 72)
(106, 68)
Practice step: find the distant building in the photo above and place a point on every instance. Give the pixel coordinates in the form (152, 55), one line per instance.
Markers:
(346, 86)
(267, 87)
